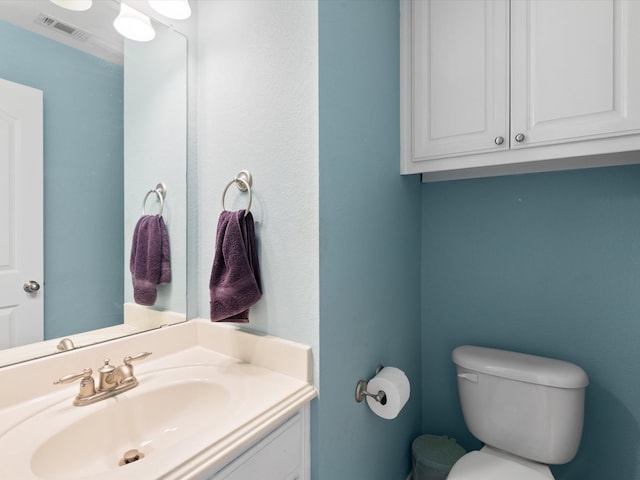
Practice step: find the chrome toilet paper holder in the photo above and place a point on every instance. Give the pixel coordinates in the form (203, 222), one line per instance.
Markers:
(361, 391)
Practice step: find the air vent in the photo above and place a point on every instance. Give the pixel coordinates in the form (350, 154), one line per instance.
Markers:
(53, 23)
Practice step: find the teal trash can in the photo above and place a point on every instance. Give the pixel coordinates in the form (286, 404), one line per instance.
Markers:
(433, 456)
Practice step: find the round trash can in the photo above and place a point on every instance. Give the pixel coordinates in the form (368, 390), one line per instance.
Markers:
(433, 456)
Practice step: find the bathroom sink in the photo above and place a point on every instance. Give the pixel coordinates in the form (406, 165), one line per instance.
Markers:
(207, 394)
(152, 422)
(174, 413)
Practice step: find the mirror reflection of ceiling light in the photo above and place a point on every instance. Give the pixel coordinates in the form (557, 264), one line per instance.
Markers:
(134, 25)
(176, 9)
(76, 5)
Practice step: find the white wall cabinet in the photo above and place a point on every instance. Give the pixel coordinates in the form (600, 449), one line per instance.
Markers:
(497, 86)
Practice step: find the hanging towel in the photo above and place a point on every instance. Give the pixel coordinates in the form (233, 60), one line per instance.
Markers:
(150, 262)
(235, 277)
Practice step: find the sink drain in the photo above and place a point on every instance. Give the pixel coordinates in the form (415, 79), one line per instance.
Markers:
(131, 456)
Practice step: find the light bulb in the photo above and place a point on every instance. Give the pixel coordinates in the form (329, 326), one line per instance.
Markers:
(176, 9)
(76, 5)
(134, 25)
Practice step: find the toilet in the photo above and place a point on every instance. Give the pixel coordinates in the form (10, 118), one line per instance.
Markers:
(527, 410)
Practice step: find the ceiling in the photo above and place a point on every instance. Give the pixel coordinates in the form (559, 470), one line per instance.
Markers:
(93, 30)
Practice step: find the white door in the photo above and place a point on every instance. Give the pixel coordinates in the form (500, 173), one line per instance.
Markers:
(21, 217)
(575, 70)
(460, 75)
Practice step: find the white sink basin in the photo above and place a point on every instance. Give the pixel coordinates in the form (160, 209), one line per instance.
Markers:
(208, 392)
(152, 421)
(171, 416)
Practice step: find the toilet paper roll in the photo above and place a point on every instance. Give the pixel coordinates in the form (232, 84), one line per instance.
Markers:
(395, 384)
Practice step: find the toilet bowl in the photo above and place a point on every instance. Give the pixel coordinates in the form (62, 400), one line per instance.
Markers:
(527, 410)
(491, 464)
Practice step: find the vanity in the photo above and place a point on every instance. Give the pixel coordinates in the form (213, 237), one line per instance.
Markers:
(212, 402)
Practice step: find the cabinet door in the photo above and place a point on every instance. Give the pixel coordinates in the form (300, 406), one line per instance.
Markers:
(459, 95)
(575, 70)
(279, 456)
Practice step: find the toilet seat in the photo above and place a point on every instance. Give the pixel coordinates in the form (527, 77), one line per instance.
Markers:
(490, 464)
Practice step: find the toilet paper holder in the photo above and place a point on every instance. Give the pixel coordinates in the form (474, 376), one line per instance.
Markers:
(361, 391)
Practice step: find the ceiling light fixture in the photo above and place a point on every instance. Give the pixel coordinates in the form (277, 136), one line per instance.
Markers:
(134, 25)
(176, 9)
(75, 5)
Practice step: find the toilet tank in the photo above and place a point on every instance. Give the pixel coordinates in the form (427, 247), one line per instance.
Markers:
(526, 405)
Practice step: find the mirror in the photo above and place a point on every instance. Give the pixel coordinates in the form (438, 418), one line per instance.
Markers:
(114, 127)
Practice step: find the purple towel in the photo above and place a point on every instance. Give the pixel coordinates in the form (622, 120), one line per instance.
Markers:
(235, 277)
(150, 262)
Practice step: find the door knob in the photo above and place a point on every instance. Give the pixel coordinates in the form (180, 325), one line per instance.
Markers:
(31, 286)
(520, 137)
(499, 140)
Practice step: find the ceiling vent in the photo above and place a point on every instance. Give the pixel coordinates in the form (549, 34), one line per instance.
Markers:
(53, 23)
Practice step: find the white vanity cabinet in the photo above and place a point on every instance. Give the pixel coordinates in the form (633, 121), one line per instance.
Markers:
(498, 86)
(283, 454)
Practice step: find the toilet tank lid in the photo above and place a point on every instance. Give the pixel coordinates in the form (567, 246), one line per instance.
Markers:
(520, 366)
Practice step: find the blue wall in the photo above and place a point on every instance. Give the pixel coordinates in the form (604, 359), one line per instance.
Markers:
(83, 178)
(369, 245)
(546, 264)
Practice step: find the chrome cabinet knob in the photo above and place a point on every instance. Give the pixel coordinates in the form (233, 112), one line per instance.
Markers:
(499, 140)
(520, 137)
(31, 286)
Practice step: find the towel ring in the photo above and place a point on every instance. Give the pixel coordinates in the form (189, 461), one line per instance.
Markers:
(243, 181)
(161, 192)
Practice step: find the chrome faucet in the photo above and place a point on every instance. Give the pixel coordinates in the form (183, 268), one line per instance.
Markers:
(65, 344)
(111, 381)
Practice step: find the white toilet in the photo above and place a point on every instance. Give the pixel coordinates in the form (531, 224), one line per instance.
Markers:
(527, 410)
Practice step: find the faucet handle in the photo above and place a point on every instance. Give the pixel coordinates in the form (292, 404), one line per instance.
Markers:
(87, 384)
(138, 356)
(126, 370)
(87, 372)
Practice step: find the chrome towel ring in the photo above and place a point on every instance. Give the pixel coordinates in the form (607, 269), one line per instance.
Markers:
(161, 192)
(243, 181)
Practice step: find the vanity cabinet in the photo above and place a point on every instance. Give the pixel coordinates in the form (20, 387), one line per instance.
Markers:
(283, 454)
(497, 86)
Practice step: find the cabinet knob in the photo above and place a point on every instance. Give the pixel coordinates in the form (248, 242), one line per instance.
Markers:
(499, 140)
(520, 137)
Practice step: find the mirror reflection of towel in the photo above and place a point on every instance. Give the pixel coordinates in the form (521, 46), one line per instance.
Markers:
(235, 276)
(150, 262)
